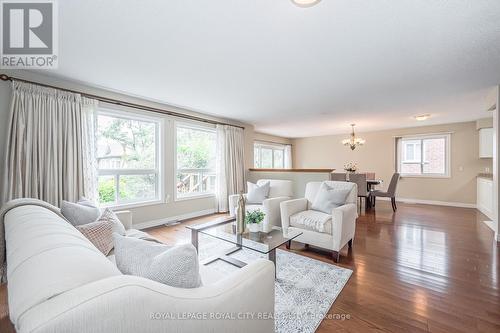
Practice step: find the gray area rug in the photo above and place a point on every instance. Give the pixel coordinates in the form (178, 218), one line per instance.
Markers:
(305, 288)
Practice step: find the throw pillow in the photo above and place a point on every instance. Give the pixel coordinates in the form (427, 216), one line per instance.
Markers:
(256, 194)
(99, 233)
(329, 198)
(79, 214)
(175, 266)
(109, 215)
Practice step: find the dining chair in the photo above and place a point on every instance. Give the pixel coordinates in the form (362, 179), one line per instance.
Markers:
(390, 193)
(360, 180)
(339, 177)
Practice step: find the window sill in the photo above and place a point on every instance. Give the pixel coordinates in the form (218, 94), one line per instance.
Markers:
(133, 205)
(195, 196)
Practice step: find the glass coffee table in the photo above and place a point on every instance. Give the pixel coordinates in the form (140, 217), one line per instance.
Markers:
(224, 228)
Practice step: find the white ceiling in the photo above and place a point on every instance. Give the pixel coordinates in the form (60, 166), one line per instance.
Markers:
(291, 71)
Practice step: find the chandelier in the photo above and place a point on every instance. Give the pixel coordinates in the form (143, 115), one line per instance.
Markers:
(353, 141)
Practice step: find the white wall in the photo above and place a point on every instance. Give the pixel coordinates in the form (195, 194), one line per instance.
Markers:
(167, 211)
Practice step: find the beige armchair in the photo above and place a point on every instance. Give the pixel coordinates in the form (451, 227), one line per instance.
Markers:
(335, 230)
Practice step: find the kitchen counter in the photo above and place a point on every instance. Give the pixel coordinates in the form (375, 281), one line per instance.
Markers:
(485, 175)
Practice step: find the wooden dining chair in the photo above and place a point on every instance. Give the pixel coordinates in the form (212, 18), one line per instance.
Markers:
(390, 193)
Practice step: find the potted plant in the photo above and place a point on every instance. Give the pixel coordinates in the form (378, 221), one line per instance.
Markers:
(253, 219)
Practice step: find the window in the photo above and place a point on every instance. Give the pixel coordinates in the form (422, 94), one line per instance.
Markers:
(195, 166)
(424, 156)
(269, 156)
(127, 159)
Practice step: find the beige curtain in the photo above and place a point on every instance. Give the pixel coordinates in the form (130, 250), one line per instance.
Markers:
(230, 164)
(49, 144)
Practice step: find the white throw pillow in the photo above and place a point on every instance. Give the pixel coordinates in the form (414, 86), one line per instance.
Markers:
(80, 213)
(256, 194)
(175, 266)
(329, 198)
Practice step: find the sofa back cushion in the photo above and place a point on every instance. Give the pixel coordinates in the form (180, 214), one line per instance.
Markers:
(47, 256)
(278, 187)
(312, 189)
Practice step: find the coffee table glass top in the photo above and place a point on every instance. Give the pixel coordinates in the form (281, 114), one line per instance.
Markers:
(225, 229)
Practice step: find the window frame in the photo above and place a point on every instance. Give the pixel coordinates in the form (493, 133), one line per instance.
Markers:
(273, 147)
(422, 138)
(158, 170)
(196, 126)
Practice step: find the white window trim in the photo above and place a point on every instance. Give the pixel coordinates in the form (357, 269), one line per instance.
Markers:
(399, 153)
(198, 126)
(159, 139)
(271, 146)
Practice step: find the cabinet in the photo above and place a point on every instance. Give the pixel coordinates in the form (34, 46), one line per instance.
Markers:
(485, 196)
(486, 143)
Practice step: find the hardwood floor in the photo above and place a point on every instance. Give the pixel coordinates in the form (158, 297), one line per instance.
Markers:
(422, 269)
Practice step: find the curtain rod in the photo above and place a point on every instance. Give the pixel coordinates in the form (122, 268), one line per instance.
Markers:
(5, 77)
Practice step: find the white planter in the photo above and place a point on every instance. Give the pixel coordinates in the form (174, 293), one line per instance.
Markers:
(253, 227)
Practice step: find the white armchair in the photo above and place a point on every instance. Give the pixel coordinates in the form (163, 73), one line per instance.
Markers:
(280, 190)
(337, 229)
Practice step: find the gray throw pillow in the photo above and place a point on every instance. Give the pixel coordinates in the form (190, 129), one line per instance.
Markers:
(256, 194)
(329, 198)
(176, 266)
(78, 214)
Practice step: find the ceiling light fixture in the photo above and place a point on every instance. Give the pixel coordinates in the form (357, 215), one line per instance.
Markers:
(422, 117)
(305, 3)
(353, 141)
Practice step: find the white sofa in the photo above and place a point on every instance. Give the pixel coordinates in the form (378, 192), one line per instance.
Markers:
(338, 230)
(280, 190)
(59, 282)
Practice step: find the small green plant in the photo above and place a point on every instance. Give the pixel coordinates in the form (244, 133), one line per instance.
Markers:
(254, 217)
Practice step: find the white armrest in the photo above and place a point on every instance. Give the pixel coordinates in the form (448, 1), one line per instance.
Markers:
(132, 304)
(233, 202)
(271, 208)
(289, 208)
(344, 223)
(125, 217)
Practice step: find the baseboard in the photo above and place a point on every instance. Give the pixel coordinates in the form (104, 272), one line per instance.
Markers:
(155, 223)
(431, 202)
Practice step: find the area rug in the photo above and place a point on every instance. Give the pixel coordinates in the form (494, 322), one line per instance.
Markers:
(305, 288)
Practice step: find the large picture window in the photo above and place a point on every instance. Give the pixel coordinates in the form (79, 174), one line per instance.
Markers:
(427, 156)
(127, 159)
(195, 163)
(269, 156)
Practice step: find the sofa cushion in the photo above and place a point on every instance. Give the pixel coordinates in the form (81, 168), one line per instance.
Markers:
(312, 220)
(79, 213)
(47, 256)
(329, 198)
(257, 193)
(176, 266)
